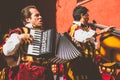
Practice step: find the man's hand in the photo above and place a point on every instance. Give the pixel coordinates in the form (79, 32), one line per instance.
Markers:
(108, 29)
(27, 38)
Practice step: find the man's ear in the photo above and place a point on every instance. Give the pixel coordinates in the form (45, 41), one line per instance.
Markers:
(81, 14)
(27, 20)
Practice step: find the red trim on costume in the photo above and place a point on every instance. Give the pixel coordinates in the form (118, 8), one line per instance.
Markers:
(17, 30)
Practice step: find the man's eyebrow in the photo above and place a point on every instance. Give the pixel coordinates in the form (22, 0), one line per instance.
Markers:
(37, 14)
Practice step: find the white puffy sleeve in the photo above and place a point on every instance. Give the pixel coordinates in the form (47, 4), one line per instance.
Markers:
(11, 45)
(83, 36)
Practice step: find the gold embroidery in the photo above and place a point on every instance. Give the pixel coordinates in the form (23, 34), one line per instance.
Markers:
(2, 74)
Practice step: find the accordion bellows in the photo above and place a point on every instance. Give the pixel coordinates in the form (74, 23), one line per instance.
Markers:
(66, 49)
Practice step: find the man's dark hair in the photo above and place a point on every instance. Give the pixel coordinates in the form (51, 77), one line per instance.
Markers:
(78, 11)
(25, 13)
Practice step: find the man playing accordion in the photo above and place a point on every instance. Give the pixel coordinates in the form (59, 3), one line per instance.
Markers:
(16, 48)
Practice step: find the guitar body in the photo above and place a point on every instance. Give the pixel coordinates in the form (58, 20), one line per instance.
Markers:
(110, 47)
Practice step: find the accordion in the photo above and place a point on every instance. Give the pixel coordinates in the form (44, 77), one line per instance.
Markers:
(42, 43)
(47, 43)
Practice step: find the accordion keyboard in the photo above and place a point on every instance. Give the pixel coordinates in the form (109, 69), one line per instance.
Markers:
(41, 43)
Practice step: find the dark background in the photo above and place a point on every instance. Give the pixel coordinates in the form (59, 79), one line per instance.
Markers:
(10, 13)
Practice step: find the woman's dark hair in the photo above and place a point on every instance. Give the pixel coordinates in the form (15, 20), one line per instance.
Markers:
(25, 13)
(78, 11)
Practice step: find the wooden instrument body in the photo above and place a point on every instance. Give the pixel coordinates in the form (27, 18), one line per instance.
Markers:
(110, 47)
